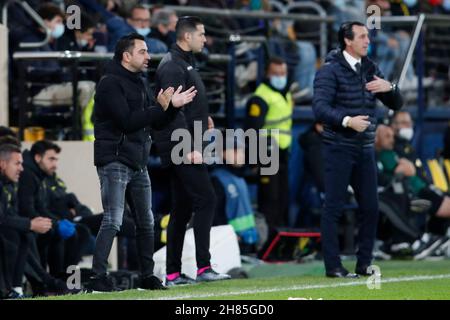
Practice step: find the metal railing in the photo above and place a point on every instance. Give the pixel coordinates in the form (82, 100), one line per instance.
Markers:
(34, 15)
(75, 57)
(92, 56)
(417, 45)
(231, 13)
(323, 24)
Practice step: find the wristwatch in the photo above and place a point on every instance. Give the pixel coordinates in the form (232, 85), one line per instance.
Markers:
(393, 86)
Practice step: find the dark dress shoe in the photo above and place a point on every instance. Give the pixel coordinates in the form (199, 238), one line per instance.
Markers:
(341, 273)
(362, 271)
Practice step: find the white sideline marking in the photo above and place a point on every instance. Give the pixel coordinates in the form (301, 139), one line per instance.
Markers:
(305, 287)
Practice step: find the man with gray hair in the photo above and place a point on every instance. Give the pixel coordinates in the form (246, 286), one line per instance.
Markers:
(164, 22)
(15, 230)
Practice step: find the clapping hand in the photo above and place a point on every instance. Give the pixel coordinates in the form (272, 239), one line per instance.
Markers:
(164, 97)
(179, 98)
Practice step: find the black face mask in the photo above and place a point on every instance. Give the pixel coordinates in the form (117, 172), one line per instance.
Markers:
(172, 36)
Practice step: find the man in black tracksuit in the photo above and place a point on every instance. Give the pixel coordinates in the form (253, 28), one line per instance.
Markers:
(33, 202)
(124, 111)
(191, 183)
(345, 93)
(15, 231)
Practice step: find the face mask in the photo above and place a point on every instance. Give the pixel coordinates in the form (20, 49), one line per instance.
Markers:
(340, 3)
(58, 31)
(446, 5)
(406, 133)
(410, 3)
(278, 83)
(143, 31)
(82, 43)
(172, 36)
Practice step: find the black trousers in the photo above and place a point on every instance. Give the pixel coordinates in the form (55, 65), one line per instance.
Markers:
(435, 225)
(344, 166)
(192, 192)
(35, 273)
(16, 248)
(273, 195)
(75, 245)
(5, 285)
(51, 251)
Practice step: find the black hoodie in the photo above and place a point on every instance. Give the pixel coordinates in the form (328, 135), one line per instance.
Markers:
(33, 199)
(9, 216)
(124, 111)
(177, 68)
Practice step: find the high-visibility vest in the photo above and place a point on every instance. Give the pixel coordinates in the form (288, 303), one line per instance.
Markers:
(279, 114)
(86, 121)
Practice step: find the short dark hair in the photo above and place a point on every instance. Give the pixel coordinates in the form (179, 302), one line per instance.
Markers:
(346, 32)
(187, 24)
(42, 146)
(6, 150)
(126, 44)
(136, 7)
(48, 11)
(274, 60)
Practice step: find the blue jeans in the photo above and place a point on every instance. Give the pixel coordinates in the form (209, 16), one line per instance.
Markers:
(355, 166)
(119, 182)
(305, 70)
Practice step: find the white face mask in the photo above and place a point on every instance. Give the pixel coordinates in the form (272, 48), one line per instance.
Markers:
(58, 31)
(410, 3)
(143, 31)
(278, 82)
(82, 43)
(406, 133)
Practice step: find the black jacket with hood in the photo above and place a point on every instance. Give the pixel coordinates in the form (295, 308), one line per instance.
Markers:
(124, 111)
(9, 216)
(177, 68)
(32, 195)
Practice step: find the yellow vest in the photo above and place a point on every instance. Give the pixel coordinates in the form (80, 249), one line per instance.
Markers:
(279, 114)
(86, 122)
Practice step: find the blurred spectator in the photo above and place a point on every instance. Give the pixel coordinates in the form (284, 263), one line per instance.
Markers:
(78, 39)
(403, 127)
(164, 22)
(391, 166)
(253, 26)
(305, 70)
(233, 199)
(138, 20)
(271, 108)
(311, 143)
(218, 28)
(53, 19)
(401, 37)
(41, 73)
